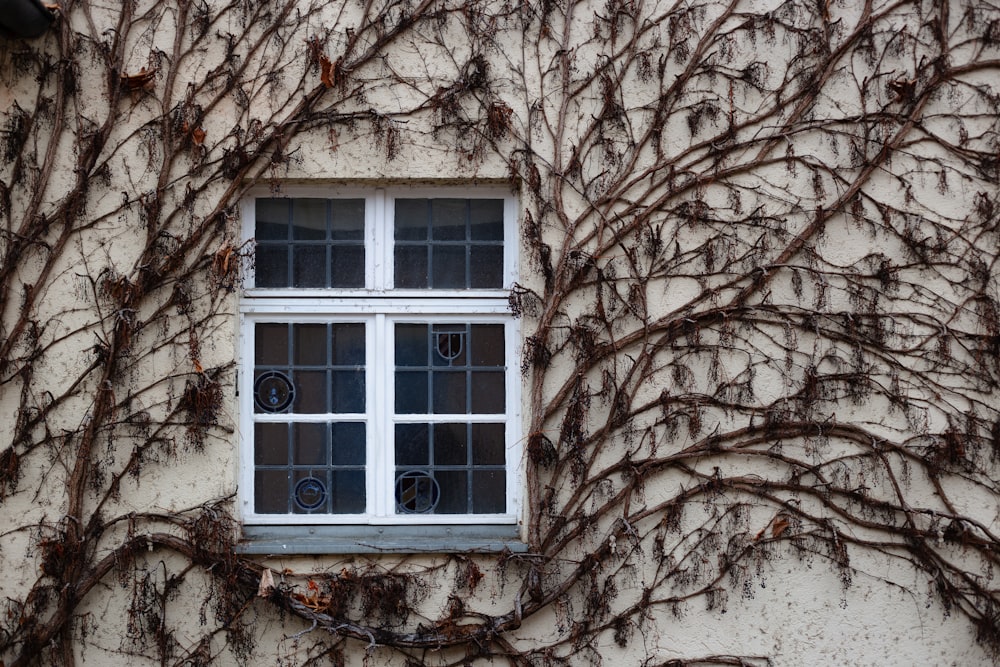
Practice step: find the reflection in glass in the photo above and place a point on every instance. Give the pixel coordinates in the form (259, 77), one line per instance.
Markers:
(309, 219)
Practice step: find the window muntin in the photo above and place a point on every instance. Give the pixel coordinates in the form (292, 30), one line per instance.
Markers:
(368, 403)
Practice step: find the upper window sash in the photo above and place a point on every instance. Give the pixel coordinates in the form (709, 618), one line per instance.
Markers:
(445, 241)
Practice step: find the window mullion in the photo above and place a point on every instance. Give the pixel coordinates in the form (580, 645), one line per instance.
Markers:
(381, 242)
(377, 420)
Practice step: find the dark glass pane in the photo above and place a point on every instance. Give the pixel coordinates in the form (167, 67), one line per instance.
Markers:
(272, 219)
(348, 493)
(486, 218)
(449, 392)
(310, 444)
(489, 492)
(448, 219)
(348, 391)
(271, 266)
(487, 345)
(411, 220)
(309, 266)
(412, 445)
(310, 392)
(411, 345)
(454, 491)
(270, 444)
(487, 392)
(448, 264)
(309, 343)
(347, 219)
(347, 266)
(348, 344)
(270, 492)
(310, 491)
(309, 219)
(348, 447)
(488, 445)
(448, 344)
(487, 266)
(411, 392)
(271, 344)
(450, 446)
(410, 267)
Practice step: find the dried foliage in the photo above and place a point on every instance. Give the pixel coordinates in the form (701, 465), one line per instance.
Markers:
(760, 302)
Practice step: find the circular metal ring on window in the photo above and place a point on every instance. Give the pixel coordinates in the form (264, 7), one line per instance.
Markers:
(416, 492)
(310, 493)
(273, 391)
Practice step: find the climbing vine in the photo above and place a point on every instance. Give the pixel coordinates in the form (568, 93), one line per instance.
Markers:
(759, 300)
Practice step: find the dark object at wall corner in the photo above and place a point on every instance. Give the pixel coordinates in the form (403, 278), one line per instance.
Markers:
(24, 18)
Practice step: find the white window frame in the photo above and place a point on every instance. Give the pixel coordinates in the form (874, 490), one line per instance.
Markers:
(380, 307)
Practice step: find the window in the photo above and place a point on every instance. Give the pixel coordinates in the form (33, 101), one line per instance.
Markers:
(377, 383)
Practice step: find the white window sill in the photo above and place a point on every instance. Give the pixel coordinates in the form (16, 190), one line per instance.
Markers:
(284, 539)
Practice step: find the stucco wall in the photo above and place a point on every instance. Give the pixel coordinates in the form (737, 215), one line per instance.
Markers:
(706, 194)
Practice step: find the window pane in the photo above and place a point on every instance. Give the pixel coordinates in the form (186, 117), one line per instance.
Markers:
(448, 219)
(309, 266)
(348, 443)
(489, 492)
(410, 266)
(411, 219)
(272, 219)
(488, 444)
(487, 393)
(488, 345)
(270, 492)
(310, 444)
(411, 344)
(448, 264)
(411, 392)
(347, 218)
(347, 266)
(486, 219)
(348, 494)
(310, 392)
(450, 446)
(271, 344)
(271, 266)
(449, 392)
(309, 219)
(454, 486)
(412, 445)
(348, 391)
(309, 342)
(270, 444)
(331, 252)
(487, 266)
(348, 343)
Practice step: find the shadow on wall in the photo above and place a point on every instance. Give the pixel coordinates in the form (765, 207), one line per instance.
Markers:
(24, 18)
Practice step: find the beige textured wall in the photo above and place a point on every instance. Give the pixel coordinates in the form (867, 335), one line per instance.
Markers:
(791, 607)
